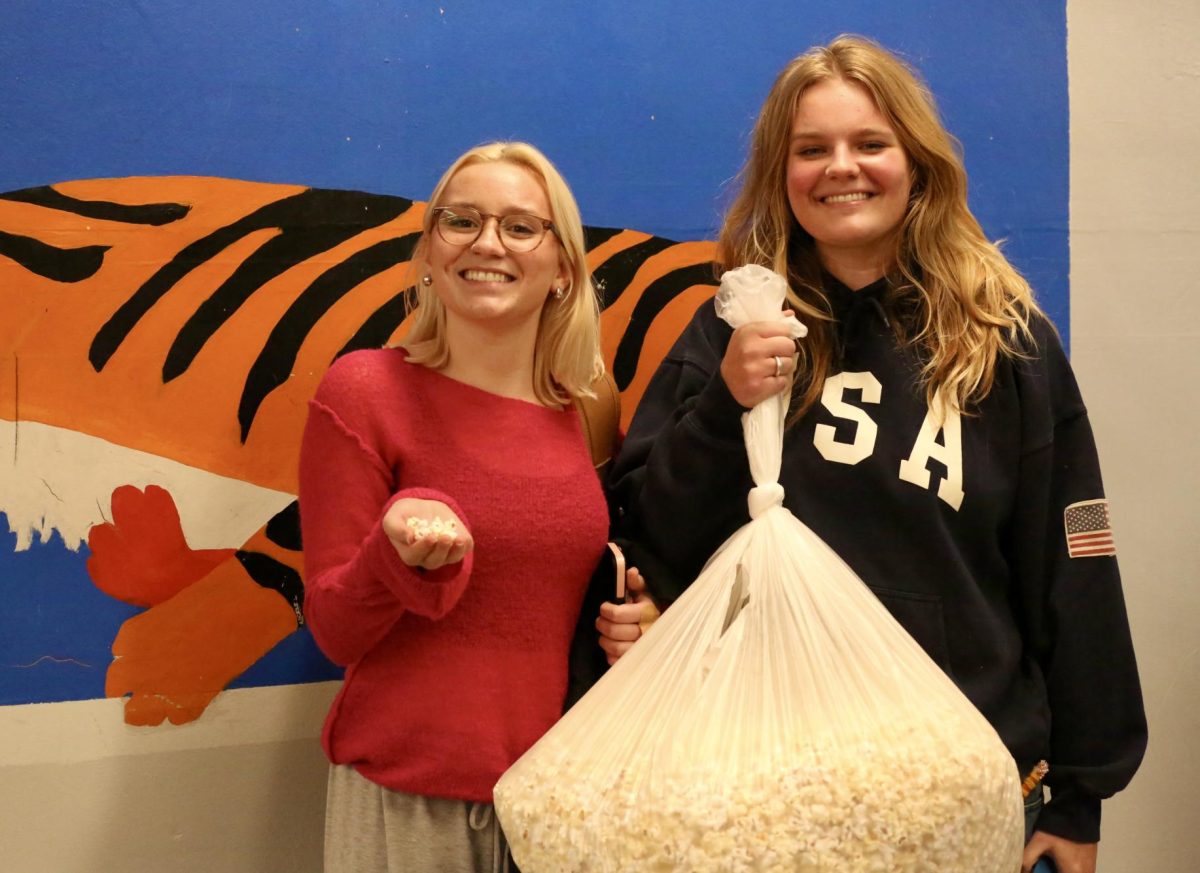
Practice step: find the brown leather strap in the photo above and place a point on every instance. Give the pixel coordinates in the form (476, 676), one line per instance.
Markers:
(600, 416)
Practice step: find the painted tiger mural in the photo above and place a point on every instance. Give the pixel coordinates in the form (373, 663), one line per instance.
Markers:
(159, 341)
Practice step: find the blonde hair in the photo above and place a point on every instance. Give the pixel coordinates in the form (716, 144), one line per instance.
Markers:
(970, 306)
(566, 358)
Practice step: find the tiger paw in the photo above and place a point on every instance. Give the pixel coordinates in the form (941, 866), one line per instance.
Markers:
(174, 658)
(141, 556)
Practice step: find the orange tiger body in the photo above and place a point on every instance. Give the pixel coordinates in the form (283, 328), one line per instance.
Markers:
(190, 319)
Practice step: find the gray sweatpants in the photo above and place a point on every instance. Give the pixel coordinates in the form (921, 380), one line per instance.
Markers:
(369, 829)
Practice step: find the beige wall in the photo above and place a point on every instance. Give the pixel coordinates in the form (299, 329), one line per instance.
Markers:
(242, 790)
(83, 793)
(1135, 307)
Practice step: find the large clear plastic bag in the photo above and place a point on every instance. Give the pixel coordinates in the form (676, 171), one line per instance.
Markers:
(776, 717)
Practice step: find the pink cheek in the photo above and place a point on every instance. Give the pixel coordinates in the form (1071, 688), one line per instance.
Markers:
(800, 186)
(795, 189)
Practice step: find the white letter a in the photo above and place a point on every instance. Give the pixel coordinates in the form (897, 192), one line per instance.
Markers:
(949, 452)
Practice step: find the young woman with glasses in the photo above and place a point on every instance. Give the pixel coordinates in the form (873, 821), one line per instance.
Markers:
(452, 519)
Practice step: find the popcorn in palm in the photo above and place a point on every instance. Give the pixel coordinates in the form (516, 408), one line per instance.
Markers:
(436, 527)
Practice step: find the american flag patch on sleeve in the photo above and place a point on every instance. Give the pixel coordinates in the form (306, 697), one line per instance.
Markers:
(1089, 532)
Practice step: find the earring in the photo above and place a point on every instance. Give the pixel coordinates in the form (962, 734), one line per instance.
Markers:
(559, 293)
(427, 280)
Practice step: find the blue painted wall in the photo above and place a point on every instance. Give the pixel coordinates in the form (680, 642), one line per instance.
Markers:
(646, 108)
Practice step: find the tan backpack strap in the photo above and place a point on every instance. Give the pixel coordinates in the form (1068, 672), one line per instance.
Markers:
(600, 416)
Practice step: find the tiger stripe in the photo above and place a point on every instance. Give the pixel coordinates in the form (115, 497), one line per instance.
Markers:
(207, 309)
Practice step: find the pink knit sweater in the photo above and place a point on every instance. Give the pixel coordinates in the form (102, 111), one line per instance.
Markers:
(450, 675)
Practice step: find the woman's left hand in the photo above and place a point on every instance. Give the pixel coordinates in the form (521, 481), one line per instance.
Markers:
(622, 624)
(1068, 857)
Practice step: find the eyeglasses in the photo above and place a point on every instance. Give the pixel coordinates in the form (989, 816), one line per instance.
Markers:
(518, 231)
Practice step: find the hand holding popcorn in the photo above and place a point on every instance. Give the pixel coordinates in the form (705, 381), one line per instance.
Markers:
(426, 533)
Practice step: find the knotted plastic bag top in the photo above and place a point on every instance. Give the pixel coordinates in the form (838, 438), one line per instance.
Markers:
(751, 294)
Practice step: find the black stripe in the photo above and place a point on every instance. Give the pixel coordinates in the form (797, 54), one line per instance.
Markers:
(381, 324)
(614, 275)
(593, 237)
(59, 265)
(652, 302)
(155, 214)
(338, 215)
(284, 527)
(277, 576)
(309, 222)
(275, 362)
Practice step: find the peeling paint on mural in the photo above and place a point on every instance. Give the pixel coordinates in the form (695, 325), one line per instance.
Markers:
(161, 338)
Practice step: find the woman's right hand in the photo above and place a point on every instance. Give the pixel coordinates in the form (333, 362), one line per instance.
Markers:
(748, 367)
(425, 548)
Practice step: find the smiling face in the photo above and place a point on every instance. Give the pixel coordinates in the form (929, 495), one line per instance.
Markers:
(482, 283)
(848, 176)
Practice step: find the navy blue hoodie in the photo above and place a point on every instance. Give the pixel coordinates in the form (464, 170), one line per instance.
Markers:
(959, 530)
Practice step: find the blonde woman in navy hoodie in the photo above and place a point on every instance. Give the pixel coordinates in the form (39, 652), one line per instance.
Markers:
(937, 439)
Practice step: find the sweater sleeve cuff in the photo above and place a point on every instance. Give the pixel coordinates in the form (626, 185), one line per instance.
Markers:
(1071, 816)
(431, 593)
(717, 412)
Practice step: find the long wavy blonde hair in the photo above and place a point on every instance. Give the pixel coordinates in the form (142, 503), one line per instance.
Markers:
(968, 304)
(566, 358)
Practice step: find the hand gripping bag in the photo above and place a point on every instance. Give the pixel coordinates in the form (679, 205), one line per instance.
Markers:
(775, 718)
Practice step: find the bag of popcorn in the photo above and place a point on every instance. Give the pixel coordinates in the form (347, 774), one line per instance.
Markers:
(776, 717)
